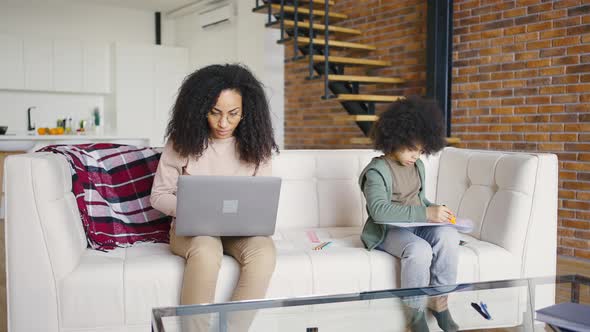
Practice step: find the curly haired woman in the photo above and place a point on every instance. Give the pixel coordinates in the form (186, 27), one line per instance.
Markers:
(393, 185)
(220, 125)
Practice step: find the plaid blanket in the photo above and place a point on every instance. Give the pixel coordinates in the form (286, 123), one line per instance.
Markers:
(112, 185)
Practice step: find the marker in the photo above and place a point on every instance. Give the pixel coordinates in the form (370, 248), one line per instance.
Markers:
(453, 219)
(480, 311)
(322, 246)
(312, 236)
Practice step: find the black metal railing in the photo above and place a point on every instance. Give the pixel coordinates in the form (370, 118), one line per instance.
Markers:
(310, 46)
(282, 22)
(331, 88)
(314, 47)
(327, 94)
(296, 30)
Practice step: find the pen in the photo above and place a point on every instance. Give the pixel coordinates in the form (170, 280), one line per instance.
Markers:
(484, 307)
(480, 311)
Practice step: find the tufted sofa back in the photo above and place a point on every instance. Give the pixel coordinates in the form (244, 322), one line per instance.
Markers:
(320, 189)
(493, 189)
(510, 196)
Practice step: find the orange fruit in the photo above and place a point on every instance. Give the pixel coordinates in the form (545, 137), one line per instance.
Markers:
(42, 131)
(60, 130)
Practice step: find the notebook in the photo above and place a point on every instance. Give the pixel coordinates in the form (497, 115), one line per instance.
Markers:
(463, 225)
(570, 316)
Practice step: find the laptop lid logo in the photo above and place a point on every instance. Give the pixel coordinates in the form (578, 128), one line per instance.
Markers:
(230, 206)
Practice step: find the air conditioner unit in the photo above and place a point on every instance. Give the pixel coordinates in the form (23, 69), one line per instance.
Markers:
(217, 15)
(198, 6)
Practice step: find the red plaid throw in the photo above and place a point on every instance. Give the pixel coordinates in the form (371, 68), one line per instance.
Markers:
(112, 184)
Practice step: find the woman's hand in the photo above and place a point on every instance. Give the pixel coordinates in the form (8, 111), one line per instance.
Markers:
(438, 214)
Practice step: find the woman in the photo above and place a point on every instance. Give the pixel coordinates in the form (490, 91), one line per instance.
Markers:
(220, 125)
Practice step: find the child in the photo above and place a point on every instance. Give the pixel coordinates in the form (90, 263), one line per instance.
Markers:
(393, 185)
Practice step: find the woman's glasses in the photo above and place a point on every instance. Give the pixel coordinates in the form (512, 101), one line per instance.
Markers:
(231, 117)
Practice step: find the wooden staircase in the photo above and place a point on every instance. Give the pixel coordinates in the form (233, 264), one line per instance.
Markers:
(313, 30)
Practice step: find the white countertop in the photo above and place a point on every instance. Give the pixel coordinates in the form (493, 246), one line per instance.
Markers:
(21, 137)
(30, 143)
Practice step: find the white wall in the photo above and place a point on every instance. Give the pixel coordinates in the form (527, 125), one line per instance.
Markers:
(80, 21)
(68, 20)
(274, 81)
(245, 40)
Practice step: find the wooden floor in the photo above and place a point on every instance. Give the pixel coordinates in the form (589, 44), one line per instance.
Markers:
(564, 266)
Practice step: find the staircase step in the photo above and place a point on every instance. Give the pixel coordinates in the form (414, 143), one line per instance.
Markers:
(318, 2)
(373, 98)
(336, 43)
(357, 117)
(367, 140)
(316, 26)
(276, 9)
(351, 61)
(366, 79)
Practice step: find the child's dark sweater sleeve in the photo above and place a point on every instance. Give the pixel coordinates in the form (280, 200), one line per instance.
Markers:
(379, 204)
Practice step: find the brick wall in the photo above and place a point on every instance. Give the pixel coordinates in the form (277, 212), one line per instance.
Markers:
(397, 29)
(521, 81)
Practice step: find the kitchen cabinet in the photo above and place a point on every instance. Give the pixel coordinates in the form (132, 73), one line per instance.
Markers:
(169, 73)
(97, 67)
(54, 65)
(134, 77)
(81, 67)
(147, 80)
(38, 64)
(12, 75)
(67, 66)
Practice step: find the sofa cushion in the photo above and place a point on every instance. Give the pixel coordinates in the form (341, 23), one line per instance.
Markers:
(112, 184)
(121, 287)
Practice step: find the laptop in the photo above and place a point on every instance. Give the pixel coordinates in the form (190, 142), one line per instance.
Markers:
(227, 205)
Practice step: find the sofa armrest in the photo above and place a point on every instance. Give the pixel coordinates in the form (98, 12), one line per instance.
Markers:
(539, 257)
(44, 238)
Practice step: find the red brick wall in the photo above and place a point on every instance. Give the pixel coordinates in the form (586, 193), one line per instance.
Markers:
(397, 29)
(521, 81)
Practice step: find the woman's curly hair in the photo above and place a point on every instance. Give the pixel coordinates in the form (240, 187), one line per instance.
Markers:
(407, 123)
(188, 127)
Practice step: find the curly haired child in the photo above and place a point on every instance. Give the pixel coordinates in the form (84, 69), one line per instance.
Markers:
(393, 185)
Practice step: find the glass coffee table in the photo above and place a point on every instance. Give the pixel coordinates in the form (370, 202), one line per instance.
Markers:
(510, 304)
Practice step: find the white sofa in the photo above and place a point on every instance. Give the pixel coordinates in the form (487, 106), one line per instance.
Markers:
(56, 284)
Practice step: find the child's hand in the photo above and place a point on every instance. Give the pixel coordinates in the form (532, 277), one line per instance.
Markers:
(438, 213)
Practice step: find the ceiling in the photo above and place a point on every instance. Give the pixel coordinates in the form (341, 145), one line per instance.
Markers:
(163, 6)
